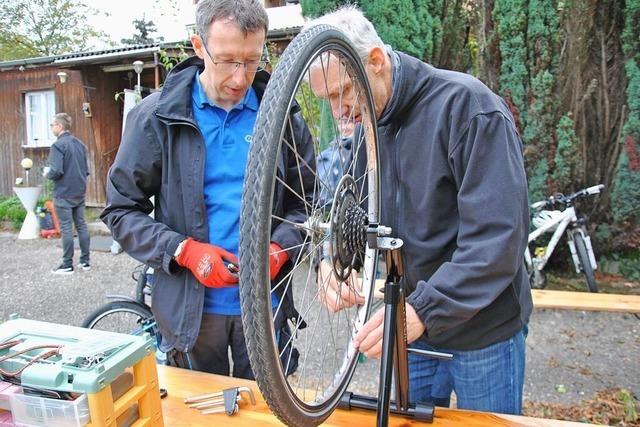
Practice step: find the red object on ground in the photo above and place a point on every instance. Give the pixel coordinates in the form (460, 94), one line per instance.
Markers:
(55, 231)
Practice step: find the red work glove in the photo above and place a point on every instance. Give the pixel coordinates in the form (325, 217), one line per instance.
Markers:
(277, 258)
(208, 263)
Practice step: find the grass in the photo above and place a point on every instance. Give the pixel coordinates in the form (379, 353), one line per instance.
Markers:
(607, 283)
(12, 213)
(612, 407)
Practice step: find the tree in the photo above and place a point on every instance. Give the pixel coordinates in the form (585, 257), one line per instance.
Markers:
(569, 71)
(315, 8)
(31, 28)
(626, 194)
(144, 29)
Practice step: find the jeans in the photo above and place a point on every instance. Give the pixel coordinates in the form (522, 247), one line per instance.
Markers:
(72, 212)
(489, 379)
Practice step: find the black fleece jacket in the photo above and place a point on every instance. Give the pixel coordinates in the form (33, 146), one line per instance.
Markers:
(454, 189)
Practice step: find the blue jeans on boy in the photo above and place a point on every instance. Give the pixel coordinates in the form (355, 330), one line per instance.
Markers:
(489, 379)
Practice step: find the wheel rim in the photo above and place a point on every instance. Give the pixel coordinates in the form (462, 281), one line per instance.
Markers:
(125, 321)
(335, 220)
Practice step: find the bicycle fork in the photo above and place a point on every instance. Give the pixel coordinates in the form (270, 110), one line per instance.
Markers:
(574, 254)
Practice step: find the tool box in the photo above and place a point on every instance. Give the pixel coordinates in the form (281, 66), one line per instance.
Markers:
(87, 362)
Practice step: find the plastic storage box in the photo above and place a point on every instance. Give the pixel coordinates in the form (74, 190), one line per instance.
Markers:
(34, 411)
(6, 420)
(88, 362)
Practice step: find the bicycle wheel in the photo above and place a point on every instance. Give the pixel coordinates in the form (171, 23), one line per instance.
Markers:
(336, 209)
(585, 262)
(125, 317)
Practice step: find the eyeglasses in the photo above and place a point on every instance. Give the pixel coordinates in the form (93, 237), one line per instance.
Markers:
(230, 67)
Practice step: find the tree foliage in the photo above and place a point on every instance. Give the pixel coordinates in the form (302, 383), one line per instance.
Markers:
(315, 8)
(626, 195)
(570, 72)
(405, 25)
(31, 28)
(143, 35)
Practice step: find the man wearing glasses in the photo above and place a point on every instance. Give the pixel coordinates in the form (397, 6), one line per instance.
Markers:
(187, 146)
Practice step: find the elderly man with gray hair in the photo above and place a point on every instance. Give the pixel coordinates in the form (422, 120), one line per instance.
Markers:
(68, 169)
(454, 190)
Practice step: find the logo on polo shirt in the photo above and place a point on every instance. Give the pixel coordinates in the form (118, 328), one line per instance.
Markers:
(248, 138)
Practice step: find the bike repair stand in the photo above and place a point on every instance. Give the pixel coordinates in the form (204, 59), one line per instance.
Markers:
(394, 344)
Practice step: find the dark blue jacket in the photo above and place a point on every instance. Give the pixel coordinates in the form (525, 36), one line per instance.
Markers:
(69, 170)
(454, 189)
(162, 154)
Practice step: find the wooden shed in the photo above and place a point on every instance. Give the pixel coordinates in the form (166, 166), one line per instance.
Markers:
(84, 85)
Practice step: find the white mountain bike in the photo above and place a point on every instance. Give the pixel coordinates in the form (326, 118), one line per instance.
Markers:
(556, 215)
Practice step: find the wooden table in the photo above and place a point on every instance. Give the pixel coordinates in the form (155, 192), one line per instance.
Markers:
(181, 383)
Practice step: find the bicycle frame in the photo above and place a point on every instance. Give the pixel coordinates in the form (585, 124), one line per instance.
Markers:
(566, 219)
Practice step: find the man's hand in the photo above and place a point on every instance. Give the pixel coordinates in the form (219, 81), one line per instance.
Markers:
(337, 295)
(369, 339)
(208, 263)
(277, 258)
(45, 171)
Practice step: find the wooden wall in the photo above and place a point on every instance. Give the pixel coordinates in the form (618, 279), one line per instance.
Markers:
(100, 133)
(106, 123)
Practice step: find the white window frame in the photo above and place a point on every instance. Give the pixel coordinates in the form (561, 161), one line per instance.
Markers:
(37, 122)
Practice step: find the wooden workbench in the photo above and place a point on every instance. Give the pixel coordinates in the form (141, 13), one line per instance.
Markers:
(181, 383)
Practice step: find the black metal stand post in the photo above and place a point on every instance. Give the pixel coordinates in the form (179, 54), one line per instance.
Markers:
(394, 360)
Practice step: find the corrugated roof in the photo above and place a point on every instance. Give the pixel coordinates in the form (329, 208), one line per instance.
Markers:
(91, 56)
(106, 51)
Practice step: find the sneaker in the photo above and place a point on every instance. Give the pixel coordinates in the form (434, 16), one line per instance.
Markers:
(85, 266)
(63, 270)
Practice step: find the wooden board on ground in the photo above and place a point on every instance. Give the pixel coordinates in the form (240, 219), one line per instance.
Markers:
(586, 301)
(570, 300)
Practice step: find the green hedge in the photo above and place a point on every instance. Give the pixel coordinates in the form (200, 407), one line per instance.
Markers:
(11, 210)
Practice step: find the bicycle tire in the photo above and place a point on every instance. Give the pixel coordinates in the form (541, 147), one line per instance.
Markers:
(585, 262)
(291, 397)
(111, 317)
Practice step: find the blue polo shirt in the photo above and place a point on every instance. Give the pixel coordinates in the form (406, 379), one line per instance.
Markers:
(227, 136)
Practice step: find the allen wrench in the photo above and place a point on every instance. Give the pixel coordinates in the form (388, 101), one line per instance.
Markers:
(222, 401)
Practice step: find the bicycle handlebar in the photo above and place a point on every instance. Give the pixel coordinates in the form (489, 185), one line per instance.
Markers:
(560, 198)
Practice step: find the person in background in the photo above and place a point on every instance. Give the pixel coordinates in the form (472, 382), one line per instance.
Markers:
(333, 161)
(68, 169)
(454, 190)
(187, 145)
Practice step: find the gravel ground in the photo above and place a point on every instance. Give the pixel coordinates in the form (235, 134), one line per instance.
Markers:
(570, 354)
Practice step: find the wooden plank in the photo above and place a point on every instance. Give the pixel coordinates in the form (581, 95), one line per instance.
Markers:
(586, 301)
(181, 383)
(570, 300)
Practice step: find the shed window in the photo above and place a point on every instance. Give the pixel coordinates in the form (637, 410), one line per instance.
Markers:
(40, 108)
